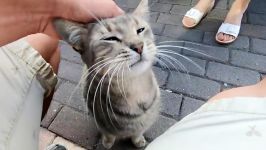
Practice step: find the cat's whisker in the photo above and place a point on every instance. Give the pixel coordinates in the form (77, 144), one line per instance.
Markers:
(99, 86)
(185, 48)
(180, 55)
(89, 88)
(164, 64)
(83, 77)
(98, 20)
(164, 56)
(163, 42)
(108, 94)
(118, 83)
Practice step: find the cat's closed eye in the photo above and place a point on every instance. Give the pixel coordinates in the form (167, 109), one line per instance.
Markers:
(112, 38)
(140, 30)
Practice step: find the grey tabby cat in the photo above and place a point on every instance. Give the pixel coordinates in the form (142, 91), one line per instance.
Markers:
(120, 86)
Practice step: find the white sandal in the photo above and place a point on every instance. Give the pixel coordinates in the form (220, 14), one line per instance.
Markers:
(196, 15)
(229, 29)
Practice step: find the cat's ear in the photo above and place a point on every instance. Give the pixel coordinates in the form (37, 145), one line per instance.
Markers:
(142, 9)
(71, 32)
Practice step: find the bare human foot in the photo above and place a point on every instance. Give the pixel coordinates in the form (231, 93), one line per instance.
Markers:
(234, 16)
(203, 6)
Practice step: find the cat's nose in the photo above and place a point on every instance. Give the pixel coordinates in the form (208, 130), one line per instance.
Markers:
(137, 47)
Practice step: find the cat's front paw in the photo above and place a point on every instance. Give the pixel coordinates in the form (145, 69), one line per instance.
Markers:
(108, 141)
(139, 142)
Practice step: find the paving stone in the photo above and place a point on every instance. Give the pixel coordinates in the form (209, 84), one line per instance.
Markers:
(181, 2)
(192, 85)
(207, 52)
(179, 10)
(209, 25)
(68, 53)
(54, 108)
(68, 145)
(242, 42)
(171, 103)
(45, 138)
(75, 126)
(218, 14)
(170, 19)
(157, 28)
(232, 75)
(153, 17)
(190, 105)
(123, 144)
(159, 7)
(257, 19)
(248, 60)
(253, 30)
(257, 6)
(160, 38)
(258, 46)
(70, 71)
(220, 4)
(128, 3)
(160, 75)
(159, 127)
(183, 34)
(70, 94)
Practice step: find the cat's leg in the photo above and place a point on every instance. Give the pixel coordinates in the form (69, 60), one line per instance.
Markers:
(108, 140)
(139, 140)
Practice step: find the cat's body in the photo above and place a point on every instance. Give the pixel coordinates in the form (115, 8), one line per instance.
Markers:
(120, 87)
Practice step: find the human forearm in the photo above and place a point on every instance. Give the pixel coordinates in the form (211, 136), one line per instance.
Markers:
(19, 18)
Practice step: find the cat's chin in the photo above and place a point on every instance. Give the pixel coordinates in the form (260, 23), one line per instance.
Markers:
(140, 67)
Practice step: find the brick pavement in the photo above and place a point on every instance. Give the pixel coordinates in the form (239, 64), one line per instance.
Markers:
(183, 90)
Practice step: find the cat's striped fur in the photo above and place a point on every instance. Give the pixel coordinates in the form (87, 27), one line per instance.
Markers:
(120, 86)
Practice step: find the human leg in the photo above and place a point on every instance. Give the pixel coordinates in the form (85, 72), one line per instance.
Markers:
(25, 79)
(48, 49)
(234, 17)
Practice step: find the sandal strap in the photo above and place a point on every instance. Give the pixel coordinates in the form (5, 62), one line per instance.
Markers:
(229, 29)
(194, 14)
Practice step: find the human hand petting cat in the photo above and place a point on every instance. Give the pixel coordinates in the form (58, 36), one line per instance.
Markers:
(19, 18)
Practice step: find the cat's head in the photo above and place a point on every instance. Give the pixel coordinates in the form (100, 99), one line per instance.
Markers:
(125, 41)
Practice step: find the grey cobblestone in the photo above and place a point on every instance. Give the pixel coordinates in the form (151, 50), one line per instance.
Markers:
(207, 52)
(218, 14)
(248, 60)
(171, 103)
(54, 108)
(221, 4)
(190, 105)
(153, 17)
(159, 127)
(67, 95)
(192, 85)
(161, 75)
(157, 28)
(160, 38)
(69, 54)
(253, 30)
(169, 19)
(70, 71)
(179, 10)
(258, 19)
(242, 42)
(181, 2)
(258, 46)
(159, 7)
(209, 25)
(75, 126)
(183, 34)
(232, 75)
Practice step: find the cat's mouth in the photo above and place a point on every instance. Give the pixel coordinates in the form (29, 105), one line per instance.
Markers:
(136, 62)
